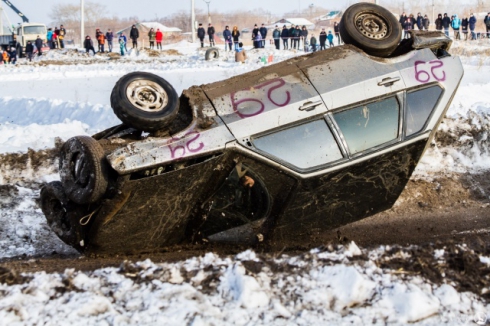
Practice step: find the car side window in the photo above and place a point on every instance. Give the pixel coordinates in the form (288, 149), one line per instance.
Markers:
(369, 125)
(420, 104)
(305, 146)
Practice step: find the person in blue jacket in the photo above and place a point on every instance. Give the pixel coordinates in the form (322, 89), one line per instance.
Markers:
(263, 33)
(456, 25)
(446, 22)
(13, 55)
(420, 21)
(227, 37)
(330, 39)
(276, 35)
(123, 38)
(49, 38)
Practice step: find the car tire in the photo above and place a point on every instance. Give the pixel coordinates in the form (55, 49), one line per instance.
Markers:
(212, 53)
(144, 101)
(54, 206)
(370, 27)
(83, 170)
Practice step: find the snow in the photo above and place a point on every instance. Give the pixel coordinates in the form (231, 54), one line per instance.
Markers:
(43, 101)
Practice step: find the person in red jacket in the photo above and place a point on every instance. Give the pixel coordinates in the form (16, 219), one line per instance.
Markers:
(159, 38)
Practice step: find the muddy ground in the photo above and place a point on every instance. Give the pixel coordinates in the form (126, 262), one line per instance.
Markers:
(441, 213)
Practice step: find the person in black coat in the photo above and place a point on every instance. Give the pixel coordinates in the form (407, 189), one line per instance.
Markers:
(426, 23)
(323, 39)
(439, 22)
(29, 50)
(211, 33)
(263, 32)
(336, 30)
(39, 45)
(201, 33)
(133, 35)
(88, 44)
(446, 22)
(285, 36)
(403, 18)
(464, 27)
(291, 32)
(255, 32)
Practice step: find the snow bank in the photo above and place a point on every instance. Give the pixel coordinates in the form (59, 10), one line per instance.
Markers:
(303, 290)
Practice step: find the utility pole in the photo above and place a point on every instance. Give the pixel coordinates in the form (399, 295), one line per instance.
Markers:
(209, 16)
(193, 21)
(82, 27)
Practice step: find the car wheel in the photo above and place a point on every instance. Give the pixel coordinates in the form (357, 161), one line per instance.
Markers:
(212, 53)
(371, 28)
(54, 206)
(144, 101)
(83, 170)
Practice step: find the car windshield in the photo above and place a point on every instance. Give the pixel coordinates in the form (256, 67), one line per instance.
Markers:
(38, 30)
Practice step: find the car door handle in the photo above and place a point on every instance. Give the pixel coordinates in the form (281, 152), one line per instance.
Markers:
(388, 81)
(308, 106)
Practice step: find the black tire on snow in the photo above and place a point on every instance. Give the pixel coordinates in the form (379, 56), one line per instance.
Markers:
(55, 207)
(212, 53)
(371, 28)
(144, 101)
(83, 170)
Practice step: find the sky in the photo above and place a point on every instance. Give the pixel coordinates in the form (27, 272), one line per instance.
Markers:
(39, 10)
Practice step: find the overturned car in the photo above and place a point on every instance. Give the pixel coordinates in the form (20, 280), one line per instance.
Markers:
(276, 155)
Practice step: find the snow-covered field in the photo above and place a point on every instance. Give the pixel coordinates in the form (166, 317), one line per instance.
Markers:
(67, 94)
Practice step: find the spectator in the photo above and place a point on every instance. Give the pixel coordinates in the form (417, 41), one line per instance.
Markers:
(472, 25)
(255, 32)
(426, 23)
(122, 45)
(291, 33)
(151, 38)
(313, 43)
(304, 37)
(456, 24)
(276, 35)
(285, 36)
(227, 38)
(55, 40)
(413, 21)
(109, 36)
(296, 36)
(336, 30)
(159, 38)
(61, 36)
(13, 55)
(235, 33)
(487, 24)
(97, 31)
(29, 50)
(263, 33)
(211, 32)
(446, 22)
(124, 40)
(407, 27)
(5, 57)
(49, 38)
(464, 27)
(201, 33)
(240, 54)
(134, 34)
(330, 39)
(88, 45)
(101, 42)
(439, 22)
(420, 21)
(323, 39)
(258, 41)
(39, 44)
(403, 18)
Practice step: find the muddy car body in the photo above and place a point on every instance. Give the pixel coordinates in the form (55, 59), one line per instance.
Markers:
(278, 155)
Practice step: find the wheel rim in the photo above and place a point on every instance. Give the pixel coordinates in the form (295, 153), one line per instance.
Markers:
(372, 26)
(80, 169)
(147, 95)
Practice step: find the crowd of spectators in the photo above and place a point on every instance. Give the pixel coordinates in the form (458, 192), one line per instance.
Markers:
(443, 23)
